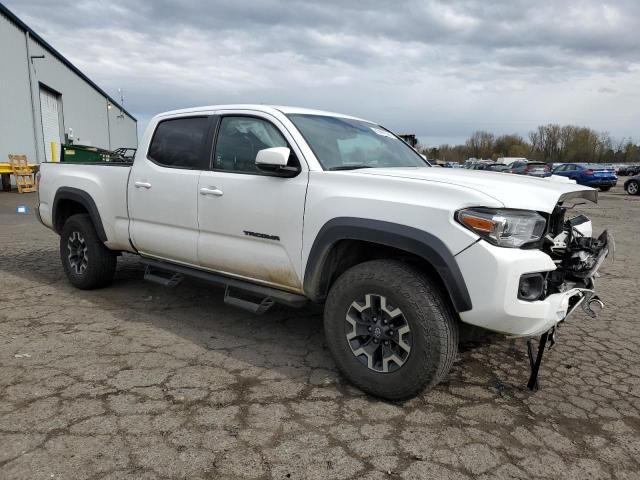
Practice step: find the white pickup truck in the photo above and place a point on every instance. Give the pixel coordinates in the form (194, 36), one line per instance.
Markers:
(290, 205)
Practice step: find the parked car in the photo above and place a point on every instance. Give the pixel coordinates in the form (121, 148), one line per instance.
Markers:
(534, 169)
(481, 164)
(510, 160)
(472, 163)
(628, 170)
(496, 167)
(289, 205)
(589, 174)
(125, 153)
(632, 185)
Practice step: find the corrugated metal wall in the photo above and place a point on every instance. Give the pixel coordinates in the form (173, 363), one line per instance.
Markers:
(16, 119)
(83, 108)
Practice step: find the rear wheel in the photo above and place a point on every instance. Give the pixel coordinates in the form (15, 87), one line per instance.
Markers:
(605, 189)
(86, 261)
(390, 329)
(633, 187)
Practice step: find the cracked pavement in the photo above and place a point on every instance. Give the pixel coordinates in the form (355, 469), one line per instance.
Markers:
(139, 381)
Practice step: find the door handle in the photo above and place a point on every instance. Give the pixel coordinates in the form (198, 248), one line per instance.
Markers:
(146, 185)
(211, 191)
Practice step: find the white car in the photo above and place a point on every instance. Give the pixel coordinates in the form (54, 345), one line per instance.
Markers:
(290, 205)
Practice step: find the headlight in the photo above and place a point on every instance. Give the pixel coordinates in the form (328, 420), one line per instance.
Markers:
(503, 227)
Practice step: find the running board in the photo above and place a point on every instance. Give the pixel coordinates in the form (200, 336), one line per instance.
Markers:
(247, 303)
(257, 291)
(162, 277)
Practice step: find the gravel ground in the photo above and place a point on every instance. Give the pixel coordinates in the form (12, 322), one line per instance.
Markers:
(139, 381)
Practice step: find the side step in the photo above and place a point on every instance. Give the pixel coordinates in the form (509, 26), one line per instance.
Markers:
(250, 296)
(162, 277)
(247, 303)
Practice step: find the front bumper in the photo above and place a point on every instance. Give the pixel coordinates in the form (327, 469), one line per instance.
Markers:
(493, 275)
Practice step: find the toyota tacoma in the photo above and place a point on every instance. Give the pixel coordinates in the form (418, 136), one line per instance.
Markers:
(289, 205)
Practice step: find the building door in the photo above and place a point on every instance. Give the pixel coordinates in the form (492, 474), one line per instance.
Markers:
(50, 122)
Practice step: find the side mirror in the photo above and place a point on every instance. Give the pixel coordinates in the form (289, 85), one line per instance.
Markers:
(273, 161)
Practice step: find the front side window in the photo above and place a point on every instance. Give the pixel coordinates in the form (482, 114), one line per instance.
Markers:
(180, 143)
(239, 141)
(346, 144)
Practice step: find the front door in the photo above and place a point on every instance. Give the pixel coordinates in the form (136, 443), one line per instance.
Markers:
(163, 190)
(251, 223)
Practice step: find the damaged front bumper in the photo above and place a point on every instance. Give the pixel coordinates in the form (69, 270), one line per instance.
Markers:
(577, 270)
(578, 256)
(565, 267)
(493, 274)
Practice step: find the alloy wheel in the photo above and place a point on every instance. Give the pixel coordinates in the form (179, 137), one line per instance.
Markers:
(78, 258)
(378, 333)
(632, 188)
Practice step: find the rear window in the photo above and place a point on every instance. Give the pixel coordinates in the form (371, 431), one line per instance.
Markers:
(181, 143)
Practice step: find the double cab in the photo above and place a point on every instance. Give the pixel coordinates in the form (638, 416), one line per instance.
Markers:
(289, 205)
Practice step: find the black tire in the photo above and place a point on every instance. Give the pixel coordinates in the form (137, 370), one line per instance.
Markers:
(95, 266)
(605, 189)
(433, 327)
(633, 188)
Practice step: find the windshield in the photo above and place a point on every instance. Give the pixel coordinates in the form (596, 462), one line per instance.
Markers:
(347, 144)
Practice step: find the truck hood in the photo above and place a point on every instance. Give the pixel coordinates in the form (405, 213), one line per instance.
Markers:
(513, 191)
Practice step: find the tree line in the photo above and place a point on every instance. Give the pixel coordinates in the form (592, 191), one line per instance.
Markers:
(548, 143)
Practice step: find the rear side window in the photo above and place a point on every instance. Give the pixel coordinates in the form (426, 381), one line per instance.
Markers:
(181, 143)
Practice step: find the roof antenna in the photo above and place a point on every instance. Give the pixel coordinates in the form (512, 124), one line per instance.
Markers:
(121, 104)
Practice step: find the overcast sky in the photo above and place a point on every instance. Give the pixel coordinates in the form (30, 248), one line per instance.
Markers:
(437, 69)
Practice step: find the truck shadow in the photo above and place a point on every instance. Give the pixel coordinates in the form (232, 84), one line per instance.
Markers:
(284, 343)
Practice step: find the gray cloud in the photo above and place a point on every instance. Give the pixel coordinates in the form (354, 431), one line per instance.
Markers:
(440, 68)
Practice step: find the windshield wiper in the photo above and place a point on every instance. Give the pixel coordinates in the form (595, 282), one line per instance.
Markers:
(350, 167)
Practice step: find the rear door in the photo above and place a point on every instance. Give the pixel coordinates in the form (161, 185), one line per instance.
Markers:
(560, 170)
(163, 189)
(567, 170)
(251, 223)
(572, 172)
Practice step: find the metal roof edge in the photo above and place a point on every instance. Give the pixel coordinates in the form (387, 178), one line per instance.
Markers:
(25, 28)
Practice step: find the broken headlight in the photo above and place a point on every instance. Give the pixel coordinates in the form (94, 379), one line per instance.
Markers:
(504, 227)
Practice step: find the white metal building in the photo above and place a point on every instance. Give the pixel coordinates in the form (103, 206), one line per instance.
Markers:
(44, 98)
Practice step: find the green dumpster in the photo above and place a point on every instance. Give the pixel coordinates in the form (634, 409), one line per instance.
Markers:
(84, 154)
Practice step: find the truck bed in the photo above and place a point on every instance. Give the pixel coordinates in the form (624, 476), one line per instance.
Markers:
(106, 183)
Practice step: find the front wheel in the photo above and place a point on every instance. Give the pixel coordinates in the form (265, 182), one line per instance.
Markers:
(86, 261)
(390, 329)
(633, 187)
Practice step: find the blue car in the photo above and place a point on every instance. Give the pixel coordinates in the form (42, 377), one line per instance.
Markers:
(589, 174)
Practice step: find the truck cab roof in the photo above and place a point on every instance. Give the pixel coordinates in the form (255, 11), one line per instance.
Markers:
(273, 109)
